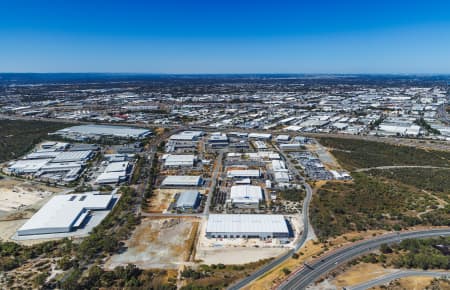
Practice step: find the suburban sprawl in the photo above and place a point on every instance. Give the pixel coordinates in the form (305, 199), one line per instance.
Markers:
(223, 182)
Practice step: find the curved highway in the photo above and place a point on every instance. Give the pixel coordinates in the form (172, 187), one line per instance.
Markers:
(397, 275)
(313, 271)
(400, 167)
(263, 270)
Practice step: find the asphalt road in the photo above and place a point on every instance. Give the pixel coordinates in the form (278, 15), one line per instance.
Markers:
(212, 187)
(313, 271)
(274, 263)
(399, 167)
(401, 274)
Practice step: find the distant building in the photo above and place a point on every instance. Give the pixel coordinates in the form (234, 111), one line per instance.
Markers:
(218, 140)
(260, 136)
(187, 136)
(247, 173)
(115, 172)
(95, 131)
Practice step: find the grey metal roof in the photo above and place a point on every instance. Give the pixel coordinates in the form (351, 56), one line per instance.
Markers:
(187, 198)
(246, 223)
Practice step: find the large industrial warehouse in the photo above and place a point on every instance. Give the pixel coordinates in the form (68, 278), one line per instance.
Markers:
(247, 226)
(65, 213)
(246, 195)
(171, 160)
(182, 180)
(86, 131)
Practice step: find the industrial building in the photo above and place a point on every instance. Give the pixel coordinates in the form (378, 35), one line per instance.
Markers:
(291, 147)
(247, 226)
(246, 196)
(95, 131)
(50, 163)
(171, 160)
(65, 213)
(187, 136)
(182, 180)
(188, 200)
(248, 173)
(281, 177)
(115, 172)
(279, 165)
(260, 136)
(218, 140)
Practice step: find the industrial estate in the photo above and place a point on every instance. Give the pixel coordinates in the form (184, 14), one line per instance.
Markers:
(265, 182)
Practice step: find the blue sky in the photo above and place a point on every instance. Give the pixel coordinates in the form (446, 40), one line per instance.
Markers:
(225, 36)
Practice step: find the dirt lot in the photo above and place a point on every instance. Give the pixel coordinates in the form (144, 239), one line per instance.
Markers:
(325, 156)
(411, 283)
(157, 243)
(162, 197)
(9, 228)
(359, 274)
(17, 194)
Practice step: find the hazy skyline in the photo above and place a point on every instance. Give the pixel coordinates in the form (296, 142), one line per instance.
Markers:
(225, 36)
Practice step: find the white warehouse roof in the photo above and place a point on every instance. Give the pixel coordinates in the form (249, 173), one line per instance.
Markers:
(182, 180)
(187, 135)
(244, 173)
(246, 194)
(68, 156)
(278, 165)
(179, 160)
(61, 212)
(187, 199)
(246, 224)
(105, 130)
(117, 167)
(28, 166)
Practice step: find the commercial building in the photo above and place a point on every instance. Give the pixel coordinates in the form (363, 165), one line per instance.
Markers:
(65, 213)
(247, 226)
(248, 173)
(260, 136)
(218, 140)
(115, 172)
(182, 180)
(283, 138)
(246, 196)
(95, 131)
(291, 147)
(188, 200)
(187, 136)
(27, 166)
(279, 165)
(281, 177)
(171, 160)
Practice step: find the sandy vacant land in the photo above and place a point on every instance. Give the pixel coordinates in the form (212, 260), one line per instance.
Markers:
(9, 228)
(162, 197)
(359, 274)
(411, 283)
(156, 243)
(17, 194)
(238, 255)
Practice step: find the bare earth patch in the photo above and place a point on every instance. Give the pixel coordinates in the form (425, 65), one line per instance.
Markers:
(17, 194)
(156, 243)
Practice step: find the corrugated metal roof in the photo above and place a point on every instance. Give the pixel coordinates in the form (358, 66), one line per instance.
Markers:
(187, 198)
(246, 223)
